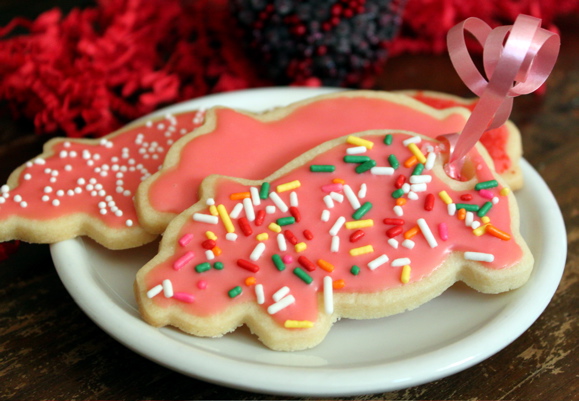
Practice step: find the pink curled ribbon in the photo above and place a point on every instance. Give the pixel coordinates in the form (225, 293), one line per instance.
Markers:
(516, 58)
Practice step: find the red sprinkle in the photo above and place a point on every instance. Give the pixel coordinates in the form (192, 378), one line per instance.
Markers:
(247, 265)
(208, 244)
(295, 212)
(292, 239)
(306, 263)
(429, 202)
(245, 226)
(466, 197)
(394, 231)
(308, 235)
(259, 217)
(357, 235)
(394, 222)
(400, 181)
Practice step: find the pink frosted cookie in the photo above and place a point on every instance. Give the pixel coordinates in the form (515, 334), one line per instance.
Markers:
(252, 145)
(86, 187)
(362, 226)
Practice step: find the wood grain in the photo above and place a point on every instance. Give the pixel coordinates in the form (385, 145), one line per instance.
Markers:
(50, 350)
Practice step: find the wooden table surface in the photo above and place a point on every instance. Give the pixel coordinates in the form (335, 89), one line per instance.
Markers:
(49, 349)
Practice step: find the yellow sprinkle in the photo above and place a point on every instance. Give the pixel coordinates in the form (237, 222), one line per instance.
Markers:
(505, 191)
(338, 181)
(262, 237)
(485, 219)
(361, 250)
(405, 275)
(354, 140)
(213, 210)
(274, 227)
(417, 152)
(250, 281)
(350, 225)
(288, 186)
(480, 230)
(298, 324)
(210, 235)
(300, 247)
(445, 197)
(327, 266)
(225, 219)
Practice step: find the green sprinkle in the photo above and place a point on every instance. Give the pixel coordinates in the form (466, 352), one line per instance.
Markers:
(322, 168)
(484, 209)
(234, 292)
(418, 169)
(469, 207)
(305, 277)
(202, 267)
(355, 270)
(218, 265)
(362, 210)
(362, 168)
(264, 191)
(285, 221)
(398, 193)
(486, 185)
(388, 139)
(278, 262)
(393, 161)
(356, 159)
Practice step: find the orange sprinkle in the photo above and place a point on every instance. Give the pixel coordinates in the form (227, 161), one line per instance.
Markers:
(412, 232)
(327, 266)
(461, 214)
(217, 251)
(401, 201)
(338, 181)
(337, 284)
(250, 281)
(411, 161)
(239, 195)
(495, 232)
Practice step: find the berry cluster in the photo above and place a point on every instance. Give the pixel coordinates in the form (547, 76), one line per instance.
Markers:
(340, 42)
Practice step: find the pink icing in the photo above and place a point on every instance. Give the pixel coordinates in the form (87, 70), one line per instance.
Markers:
(424, 259)
(245, 147)
(92, 176)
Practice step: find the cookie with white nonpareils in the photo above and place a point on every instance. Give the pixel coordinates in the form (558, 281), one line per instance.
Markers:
(86, 186)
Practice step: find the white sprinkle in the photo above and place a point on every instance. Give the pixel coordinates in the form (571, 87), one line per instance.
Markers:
(3, 200)
(257, 251)
(23, 204)
(475, 224)
(393, 243)
(270, 209)
(382, 170)
(281, 244)
(294, 201)
(156, 290)
(259, 294)
(412, 139)
(362, 191)
(236, 211)
(328, 201)
(255, 196)
(279, 294)
(351, 196)
(427, 232)
(4, 189)
(39, 161)
(248, 207)
(63, 154)
(27, 176)
(421, 187)
(103, 211)
(469, 219)
(167, 288)
(55, 202)
(281, 304)
(430, 159)
(81, 181)
(129, 223)
(398, 211)
(379, 261)
(17, 198)
(45, 198)
(209, 255)
(451, 208)
(495, 200)
(278, 202)
(408, 243)
(479, 256)
(325, 215)
(329, 294)
(420, 179)
(400, 262)
(335, 246)
(406, 187)
(356, 150)
(337, 226)
(205, 218)
(413, 195)
(337, 197)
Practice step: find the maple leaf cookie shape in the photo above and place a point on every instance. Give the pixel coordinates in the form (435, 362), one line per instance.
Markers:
(254, 145)
(86, 187)
(360, 227)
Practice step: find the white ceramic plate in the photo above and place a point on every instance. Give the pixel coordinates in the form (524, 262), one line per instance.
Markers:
(449, 334)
